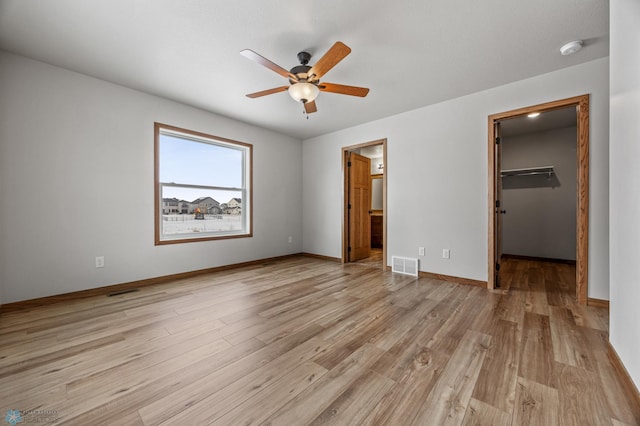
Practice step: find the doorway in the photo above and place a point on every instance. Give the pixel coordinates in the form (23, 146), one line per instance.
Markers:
(581, 105)
(364, 224)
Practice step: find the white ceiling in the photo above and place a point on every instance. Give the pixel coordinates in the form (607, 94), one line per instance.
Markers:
(372, 151)
(549, 120)
(410, 53)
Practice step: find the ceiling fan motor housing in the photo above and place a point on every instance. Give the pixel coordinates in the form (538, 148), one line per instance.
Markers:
(301, 71)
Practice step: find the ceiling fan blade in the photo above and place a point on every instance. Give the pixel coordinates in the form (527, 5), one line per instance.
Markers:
(268, 92)
(250, 54)
(344, 90)
(334, 55)
(310, 107)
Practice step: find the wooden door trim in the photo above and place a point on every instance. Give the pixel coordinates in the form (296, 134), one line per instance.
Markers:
(497, 217)
(582, 197)
(345, 197)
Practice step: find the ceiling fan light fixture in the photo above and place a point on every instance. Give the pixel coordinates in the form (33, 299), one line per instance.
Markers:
(304, 92)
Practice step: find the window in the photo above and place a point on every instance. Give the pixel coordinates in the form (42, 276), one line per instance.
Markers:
(202, 186)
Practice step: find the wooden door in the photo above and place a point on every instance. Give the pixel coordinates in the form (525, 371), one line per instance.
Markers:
(499, 208)
(359, 205)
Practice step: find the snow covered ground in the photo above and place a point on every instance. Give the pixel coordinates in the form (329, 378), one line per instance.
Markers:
(186, 224)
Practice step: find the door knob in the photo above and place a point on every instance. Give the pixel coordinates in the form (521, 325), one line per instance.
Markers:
(503, 211)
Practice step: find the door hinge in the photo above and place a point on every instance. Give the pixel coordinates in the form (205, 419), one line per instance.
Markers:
(349, 164)
(349, 206)
(497, 266)
(497, 140)
(349, 249)
(497, 203)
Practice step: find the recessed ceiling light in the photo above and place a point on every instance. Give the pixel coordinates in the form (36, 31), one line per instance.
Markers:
(533, 115)
(571, 47)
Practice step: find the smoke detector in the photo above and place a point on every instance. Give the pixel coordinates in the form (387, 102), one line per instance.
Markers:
(571, 47)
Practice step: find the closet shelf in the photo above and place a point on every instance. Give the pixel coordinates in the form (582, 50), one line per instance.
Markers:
(531, 171)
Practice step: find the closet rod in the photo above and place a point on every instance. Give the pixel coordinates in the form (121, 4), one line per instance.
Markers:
(531, 171)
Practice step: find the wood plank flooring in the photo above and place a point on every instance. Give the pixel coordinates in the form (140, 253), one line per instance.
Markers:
(304, 341)
(374, 260)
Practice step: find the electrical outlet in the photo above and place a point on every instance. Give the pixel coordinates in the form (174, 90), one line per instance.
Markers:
(445, 253)
(420, 251)
(99, 261)
(290, 239)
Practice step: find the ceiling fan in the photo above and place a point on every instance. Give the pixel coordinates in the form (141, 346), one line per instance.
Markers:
(304, 80)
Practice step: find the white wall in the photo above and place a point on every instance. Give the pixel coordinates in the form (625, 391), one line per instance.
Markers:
(437, 175)
(72, 147)
(540, 219)
(625, 183)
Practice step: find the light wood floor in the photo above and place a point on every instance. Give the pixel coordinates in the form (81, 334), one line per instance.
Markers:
(374, 260)
(308, 341)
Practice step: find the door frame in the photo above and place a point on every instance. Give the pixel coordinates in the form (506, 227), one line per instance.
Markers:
(345, 198)
(582, 186)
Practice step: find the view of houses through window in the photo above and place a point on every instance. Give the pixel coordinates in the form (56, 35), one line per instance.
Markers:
(204, 205)
(202, 185)
(203, 214)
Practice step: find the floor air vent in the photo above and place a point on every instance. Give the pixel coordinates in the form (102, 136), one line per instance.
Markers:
(118, 293)
(404, 265)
